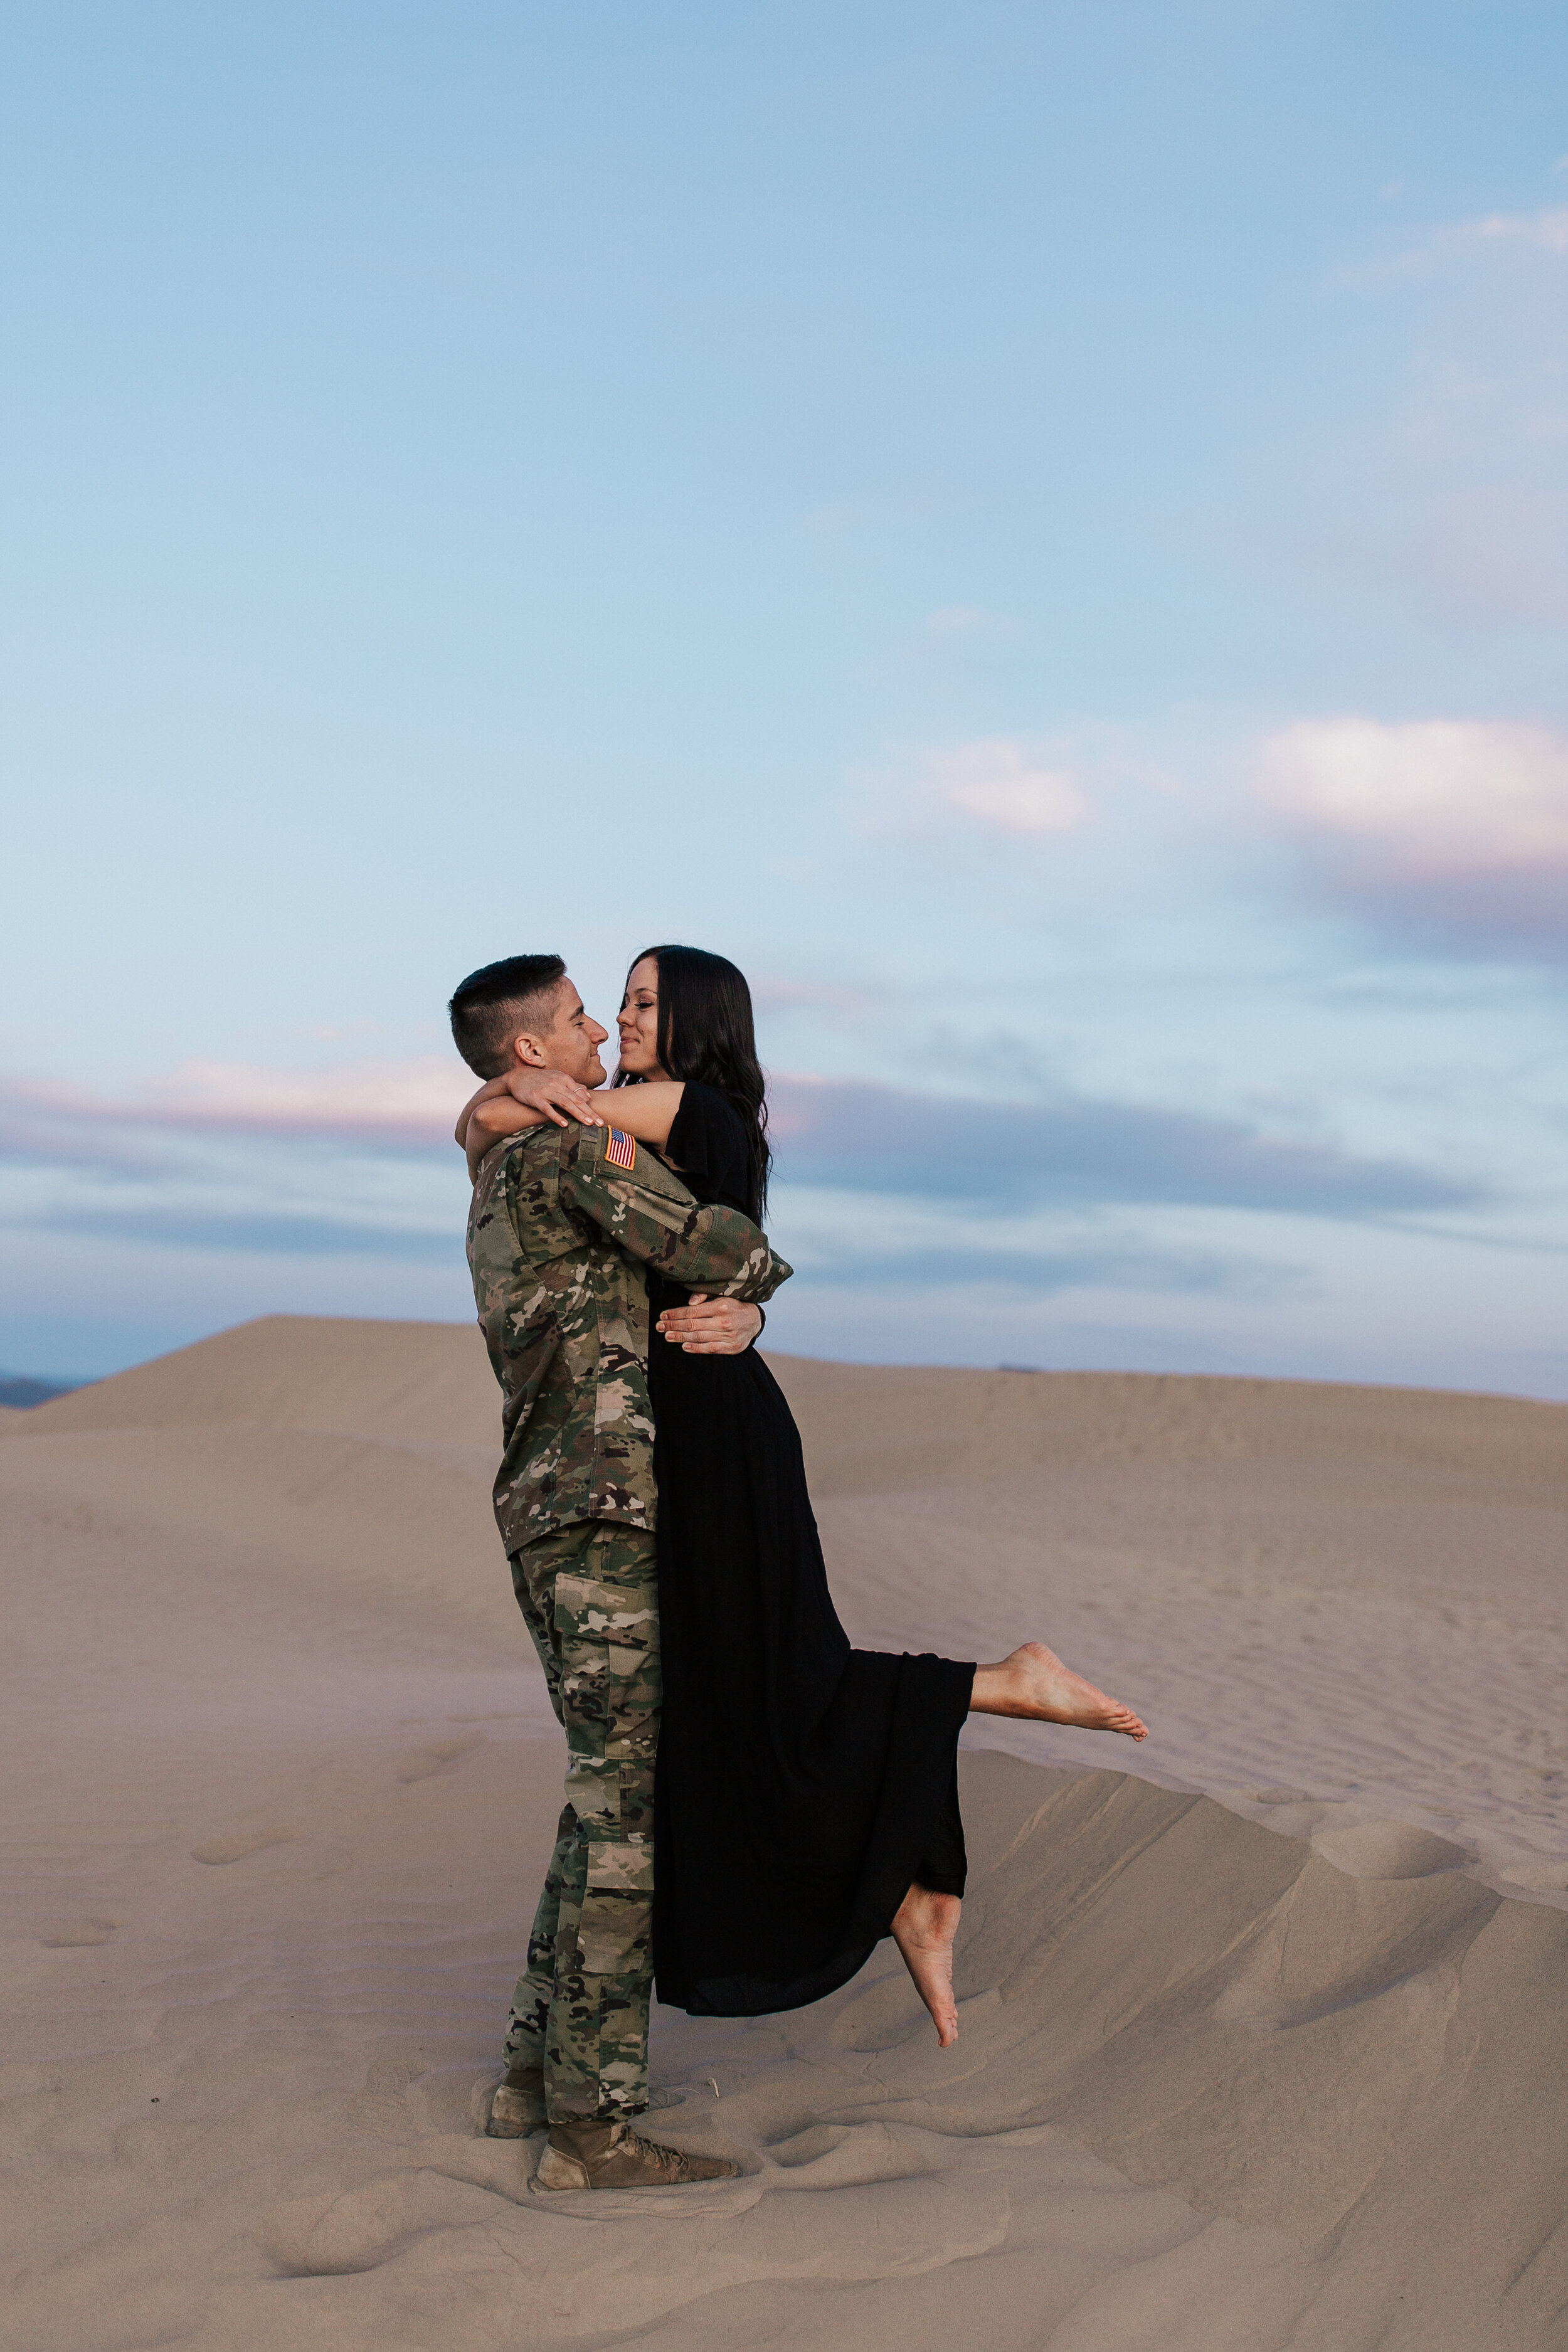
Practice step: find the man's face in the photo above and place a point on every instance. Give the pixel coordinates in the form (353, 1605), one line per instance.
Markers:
(573, 1045)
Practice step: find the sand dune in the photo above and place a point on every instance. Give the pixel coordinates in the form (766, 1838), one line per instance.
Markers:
(1334, 1603)
(1281, 2070)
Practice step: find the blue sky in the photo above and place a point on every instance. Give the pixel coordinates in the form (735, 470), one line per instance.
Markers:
(1040, 532)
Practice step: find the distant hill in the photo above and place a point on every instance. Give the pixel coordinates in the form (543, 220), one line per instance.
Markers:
(18, 1390)
(869, 1429)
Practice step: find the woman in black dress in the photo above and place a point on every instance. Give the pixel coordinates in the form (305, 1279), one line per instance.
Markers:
(808, 1793)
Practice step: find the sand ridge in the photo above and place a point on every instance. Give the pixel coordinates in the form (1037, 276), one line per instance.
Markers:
(280, 1780)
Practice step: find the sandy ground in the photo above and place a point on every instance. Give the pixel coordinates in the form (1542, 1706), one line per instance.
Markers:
(1280, 2070)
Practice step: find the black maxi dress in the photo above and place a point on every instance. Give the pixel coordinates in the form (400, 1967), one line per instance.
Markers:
(802, 1784)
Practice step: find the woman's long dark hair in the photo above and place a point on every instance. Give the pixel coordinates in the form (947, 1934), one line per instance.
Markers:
(706, 1036)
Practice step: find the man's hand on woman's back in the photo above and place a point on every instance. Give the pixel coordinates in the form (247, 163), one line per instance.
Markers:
(711, 1327)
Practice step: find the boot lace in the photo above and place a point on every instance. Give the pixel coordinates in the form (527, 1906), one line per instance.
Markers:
(668, 2160)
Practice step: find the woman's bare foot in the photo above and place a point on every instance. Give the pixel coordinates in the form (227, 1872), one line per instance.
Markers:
(1032, 1681)
(923, 1928)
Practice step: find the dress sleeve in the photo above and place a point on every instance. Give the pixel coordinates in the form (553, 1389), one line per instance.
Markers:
(707, 1143)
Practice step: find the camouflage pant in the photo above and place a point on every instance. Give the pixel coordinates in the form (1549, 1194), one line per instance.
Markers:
(589, 1595)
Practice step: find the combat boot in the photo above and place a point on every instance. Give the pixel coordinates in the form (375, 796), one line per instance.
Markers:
(604, 2155)
(517, 2104)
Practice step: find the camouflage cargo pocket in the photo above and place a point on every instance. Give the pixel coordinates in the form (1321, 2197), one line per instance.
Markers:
(609, 1638)
(617, 1910)
(588, 1613)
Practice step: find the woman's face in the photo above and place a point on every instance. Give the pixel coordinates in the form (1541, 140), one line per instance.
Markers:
(638, 1021)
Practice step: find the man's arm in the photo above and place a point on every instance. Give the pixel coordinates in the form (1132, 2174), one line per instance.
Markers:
(607, 1176)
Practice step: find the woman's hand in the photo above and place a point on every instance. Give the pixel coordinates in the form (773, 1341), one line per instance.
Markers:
(558, 1097)
(523, 1098)
(711, 1327)
(543, 1094)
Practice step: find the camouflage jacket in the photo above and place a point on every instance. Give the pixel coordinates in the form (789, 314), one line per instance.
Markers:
(559, 1234)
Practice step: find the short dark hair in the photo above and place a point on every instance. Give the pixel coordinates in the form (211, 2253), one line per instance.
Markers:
(494, 1004)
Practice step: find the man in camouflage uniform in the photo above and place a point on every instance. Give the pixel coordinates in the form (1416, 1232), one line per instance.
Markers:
(564, 1220)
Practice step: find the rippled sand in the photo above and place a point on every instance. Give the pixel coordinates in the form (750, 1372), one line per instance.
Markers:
(1282, 2070)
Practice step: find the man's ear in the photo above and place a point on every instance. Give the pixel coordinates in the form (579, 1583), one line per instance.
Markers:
(528, 1050)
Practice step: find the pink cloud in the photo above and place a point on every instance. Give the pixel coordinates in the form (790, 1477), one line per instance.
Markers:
(829, 998)
(1435, 797)
(1464, 819)
(996, 784)
(404, 1105)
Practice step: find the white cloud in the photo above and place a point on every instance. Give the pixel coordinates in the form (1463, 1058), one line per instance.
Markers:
(956, 621)
(1546, 231)
(996, 784)
(1438, 800)
(1539, 232)
(829, 998)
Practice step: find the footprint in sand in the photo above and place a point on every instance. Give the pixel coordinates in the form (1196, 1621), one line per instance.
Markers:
(345, 2230)
(441, 1756)
(381, 2108)
(850, 2155)
(242, 1844)
(72, 1933)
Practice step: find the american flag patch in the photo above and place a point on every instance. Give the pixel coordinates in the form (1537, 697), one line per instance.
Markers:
(620, 1151)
